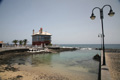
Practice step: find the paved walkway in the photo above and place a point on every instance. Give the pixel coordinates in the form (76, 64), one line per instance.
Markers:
(113, 62)
(11, 48)
(105, 74)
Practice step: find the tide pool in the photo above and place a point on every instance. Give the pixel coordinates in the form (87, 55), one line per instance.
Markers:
(74, 65)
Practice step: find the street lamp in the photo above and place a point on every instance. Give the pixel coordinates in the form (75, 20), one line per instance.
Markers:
(111, 13)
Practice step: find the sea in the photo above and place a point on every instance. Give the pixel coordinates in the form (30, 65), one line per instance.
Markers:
(73, 65)
(107, 46)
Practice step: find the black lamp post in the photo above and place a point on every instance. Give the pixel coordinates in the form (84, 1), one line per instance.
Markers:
(111, 13)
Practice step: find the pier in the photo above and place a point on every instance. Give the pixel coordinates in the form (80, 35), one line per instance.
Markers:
(105, 73)
(11, 49)
(50, 49)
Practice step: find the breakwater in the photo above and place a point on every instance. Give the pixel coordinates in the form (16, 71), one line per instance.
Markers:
(13, 49)
(25, 49)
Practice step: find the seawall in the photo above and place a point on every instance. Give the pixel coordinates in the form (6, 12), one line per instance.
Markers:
(13, 49)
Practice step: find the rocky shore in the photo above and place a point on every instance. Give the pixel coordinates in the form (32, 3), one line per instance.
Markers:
(8, 54)
(16, 74)
(12, 53)
(57, 50)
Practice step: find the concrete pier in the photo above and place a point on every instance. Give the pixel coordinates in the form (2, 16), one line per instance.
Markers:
(8, 49)
(105, 73)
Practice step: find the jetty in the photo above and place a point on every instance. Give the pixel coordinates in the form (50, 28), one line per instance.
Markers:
(12, 49)
(50, 49)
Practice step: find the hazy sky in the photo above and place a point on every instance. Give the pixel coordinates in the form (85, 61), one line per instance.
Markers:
(67, 20)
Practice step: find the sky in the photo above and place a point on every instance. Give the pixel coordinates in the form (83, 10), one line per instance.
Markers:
(67, 20)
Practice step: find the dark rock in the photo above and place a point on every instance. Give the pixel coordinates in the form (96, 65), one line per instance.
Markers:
(19, 76)
(21, 59)
(2, 71)
(9, 68)
(97, 57)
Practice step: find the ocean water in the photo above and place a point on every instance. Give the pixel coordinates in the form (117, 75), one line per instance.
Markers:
(74, 65)
(107, 46)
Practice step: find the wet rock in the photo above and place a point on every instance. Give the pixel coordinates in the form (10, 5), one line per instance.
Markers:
(21, 59)
(19, 76)
(2, 71)
(15, 78)
(21, 63)
(9, 68)
(97, 57)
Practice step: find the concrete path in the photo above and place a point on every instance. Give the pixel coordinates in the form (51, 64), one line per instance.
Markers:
(11, 48)
(105, 74)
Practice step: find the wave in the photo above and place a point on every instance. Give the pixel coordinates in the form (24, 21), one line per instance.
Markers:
(79, 48)
(86, 48)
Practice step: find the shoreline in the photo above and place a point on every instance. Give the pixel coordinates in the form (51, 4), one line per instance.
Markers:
(20, 52)
(25, 72)
(17, 74)
(13, 72)
(54, 49)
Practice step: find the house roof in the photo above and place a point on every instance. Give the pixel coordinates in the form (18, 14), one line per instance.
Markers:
(1, 41)
(43, 33)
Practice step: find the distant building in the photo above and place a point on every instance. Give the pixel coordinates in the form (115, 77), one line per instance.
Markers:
(41, 38)
(1, 43)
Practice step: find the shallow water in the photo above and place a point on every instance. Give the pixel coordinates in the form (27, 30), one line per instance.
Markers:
(75, 65)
